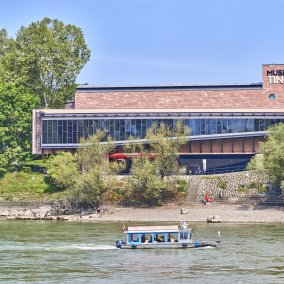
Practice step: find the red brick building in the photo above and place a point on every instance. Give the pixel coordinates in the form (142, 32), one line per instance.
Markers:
(226, 122)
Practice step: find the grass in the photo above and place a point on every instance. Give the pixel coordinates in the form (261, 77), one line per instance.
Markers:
(23, 186)
(211, 177)
(38, 163)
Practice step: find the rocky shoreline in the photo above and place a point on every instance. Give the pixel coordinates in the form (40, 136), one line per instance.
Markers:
(226, 213)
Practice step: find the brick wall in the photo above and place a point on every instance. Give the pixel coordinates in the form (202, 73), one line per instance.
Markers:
(179, 99)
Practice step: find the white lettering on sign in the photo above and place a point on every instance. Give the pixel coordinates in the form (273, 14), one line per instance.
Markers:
(275, 76)
(276, 79)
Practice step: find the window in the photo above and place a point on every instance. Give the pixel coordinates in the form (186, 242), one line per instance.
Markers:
(272, 97)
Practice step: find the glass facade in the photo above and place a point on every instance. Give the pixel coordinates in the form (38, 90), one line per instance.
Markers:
(69, 131)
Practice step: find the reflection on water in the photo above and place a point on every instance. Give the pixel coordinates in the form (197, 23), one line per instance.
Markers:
(58, 252)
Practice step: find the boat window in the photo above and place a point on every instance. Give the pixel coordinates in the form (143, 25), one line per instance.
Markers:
(183, 236)
(146, 238)
(172, 238)
(160, 238)
(134, 237)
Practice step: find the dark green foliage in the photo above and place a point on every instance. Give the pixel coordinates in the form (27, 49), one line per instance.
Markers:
(151, 181)
(182, 185)
(15, 125)
(45, 58)
(271, 158)
(144, 186)
(262, 188)
(86, 175)
(166, 144)
(252, 185)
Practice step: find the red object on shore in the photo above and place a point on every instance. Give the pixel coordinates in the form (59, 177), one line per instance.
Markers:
(207, 198)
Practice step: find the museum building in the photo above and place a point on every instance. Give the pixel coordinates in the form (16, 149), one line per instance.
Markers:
(226, 121)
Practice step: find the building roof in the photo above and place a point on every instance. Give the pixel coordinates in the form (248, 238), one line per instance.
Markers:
(90, 88)
(168, 112)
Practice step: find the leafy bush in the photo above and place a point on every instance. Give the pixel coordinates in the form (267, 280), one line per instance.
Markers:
(145, 187)
(262, 188)
(253, 184)
(222, 184)
(182, 185)
(27, 170)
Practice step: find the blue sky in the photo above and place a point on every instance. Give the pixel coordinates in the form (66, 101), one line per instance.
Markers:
(156, 42)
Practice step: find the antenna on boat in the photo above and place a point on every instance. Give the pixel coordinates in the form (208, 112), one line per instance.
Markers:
(183, 224)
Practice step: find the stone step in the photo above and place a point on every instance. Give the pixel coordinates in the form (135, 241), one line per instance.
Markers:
(193, 189)
(256, 200)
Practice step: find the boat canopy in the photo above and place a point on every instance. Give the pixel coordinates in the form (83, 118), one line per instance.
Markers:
(152, 229)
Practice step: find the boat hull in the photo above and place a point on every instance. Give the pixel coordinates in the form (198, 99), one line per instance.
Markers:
(197, 244)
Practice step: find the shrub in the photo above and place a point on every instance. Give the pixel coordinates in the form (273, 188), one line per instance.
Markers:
(242, 187)
(253, 184)
(262, 188)
(27, 170)
(222, 184)
(182, 185)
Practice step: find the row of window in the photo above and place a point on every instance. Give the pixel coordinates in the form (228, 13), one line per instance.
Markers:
(70, 131)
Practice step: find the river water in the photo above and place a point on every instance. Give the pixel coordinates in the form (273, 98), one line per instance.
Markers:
(66, 252)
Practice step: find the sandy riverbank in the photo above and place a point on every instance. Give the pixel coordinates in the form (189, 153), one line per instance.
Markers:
(228, 213)
(196, 213)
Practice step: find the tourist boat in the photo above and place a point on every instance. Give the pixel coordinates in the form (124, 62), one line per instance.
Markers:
(170, 236)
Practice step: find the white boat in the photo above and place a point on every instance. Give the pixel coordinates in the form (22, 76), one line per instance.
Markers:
(171, 236)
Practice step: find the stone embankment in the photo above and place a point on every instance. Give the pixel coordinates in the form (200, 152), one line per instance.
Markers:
(242, 184)
(33, 211)
(47, 211)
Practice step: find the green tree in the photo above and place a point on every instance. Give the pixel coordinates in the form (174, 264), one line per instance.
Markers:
(151, 181)
(145, 186)
(5, 45)
(46, 58)
(256, 163)
(87, 174)
(166, 143)
(63, 170)
(15, 125)
(273, 154)
(4, 42)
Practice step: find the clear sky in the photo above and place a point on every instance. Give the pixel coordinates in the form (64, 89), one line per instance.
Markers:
(156, 42)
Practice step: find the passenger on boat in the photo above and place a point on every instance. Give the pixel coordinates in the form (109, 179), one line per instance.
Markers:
(162, 239)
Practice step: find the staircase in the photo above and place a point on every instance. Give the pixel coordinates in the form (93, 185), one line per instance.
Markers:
(191, 197)
(275, 200)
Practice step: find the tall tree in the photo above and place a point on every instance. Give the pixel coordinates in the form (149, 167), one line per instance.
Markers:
(144, 186)
(4, 42)
(87, 174)
(147, 183)
(5, 48)
(273, 154)
(46, 58)
(166, 143)
(15, 125)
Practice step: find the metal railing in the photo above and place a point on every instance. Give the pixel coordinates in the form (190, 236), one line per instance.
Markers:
(220, 170)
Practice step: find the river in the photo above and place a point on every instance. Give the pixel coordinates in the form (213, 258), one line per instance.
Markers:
(66, 252)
